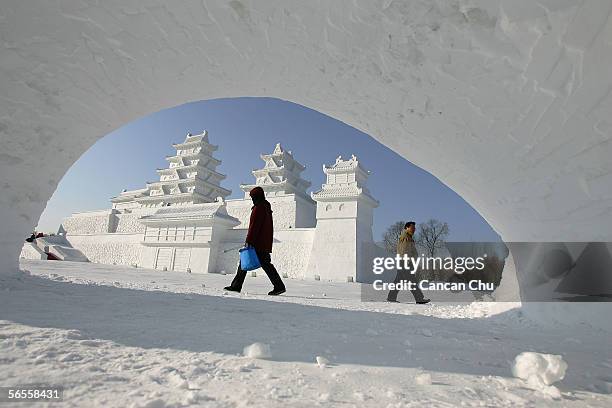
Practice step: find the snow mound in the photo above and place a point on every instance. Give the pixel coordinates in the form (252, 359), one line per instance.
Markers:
(257, 350)
(540, 371)
(423, 379)
(322, 361)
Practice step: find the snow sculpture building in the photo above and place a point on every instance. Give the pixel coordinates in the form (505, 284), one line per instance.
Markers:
(183, 222)
(344, 217)
(185, 238)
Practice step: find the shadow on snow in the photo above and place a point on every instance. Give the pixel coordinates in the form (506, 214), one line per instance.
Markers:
(296, 333)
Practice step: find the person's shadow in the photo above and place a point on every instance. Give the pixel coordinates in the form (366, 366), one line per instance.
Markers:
(295, 332)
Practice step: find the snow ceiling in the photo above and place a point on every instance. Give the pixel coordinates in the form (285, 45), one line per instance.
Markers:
(507, 102)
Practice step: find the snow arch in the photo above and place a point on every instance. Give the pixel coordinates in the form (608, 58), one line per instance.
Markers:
(507, 102)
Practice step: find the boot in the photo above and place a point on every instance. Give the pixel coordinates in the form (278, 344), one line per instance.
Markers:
(276, 292)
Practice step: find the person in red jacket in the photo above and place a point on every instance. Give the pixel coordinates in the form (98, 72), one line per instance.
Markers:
(259, 236)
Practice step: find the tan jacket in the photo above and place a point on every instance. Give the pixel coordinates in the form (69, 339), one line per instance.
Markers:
(406, 246)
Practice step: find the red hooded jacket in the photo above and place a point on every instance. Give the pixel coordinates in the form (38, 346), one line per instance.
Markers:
(261, 228)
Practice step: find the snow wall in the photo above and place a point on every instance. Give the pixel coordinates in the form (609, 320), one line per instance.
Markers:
(506, 101)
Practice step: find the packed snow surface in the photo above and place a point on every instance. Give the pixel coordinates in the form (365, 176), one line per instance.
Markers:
(125, 337)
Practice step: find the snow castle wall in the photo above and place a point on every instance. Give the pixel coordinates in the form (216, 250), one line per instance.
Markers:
(108, 236)
(110, 249)
(506, 102)
(90, 222)
(290, 211)
(290, 251)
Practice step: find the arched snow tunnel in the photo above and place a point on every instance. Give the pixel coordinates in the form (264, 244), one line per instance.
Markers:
(507, 102)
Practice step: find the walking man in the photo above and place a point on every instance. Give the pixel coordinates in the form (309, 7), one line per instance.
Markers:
(260, 234)
(406, 246)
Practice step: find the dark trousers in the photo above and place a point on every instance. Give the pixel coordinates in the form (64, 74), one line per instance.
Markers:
(405, 275)
(266, 265)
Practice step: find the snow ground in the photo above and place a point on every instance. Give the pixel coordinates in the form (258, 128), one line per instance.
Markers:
(119, 336)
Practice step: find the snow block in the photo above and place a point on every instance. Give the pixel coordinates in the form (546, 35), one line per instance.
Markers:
(257, 350)
(540, 371)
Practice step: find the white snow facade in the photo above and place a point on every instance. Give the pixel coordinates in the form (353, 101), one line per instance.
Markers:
(184, 223)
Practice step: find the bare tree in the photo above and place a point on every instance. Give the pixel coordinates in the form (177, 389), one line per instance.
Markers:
(392, 235)
(431, 236)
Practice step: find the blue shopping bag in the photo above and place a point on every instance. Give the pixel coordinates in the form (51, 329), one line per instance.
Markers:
(248, 259)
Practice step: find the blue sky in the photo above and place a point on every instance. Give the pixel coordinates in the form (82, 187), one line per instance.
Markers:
(243, 128)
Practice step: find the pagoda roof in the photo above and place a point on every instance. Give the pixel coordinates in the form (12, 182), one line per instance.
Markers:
(193, 143)
(285, 184)
(348, 193)
(189, 181)
(272, 186)
(280, 152)
(128, 195)
(182, 196)
(286, 155)
(171, 182)
(294, 179)
(172, 197)
(282, 186)
(180, 156)
(345, 166)
(279, 169)
(195, 212)
(191, 140)
(183, 167)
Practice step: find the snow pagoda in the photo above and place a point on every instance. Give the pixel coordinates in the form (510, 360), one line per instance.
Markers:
(279, 176)
(190, 178)
(285, 189)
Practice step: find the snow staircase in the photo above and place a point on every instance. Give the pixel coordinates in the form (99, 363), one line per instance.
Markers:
(59, 247)
(68, 253)
(31, 251)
